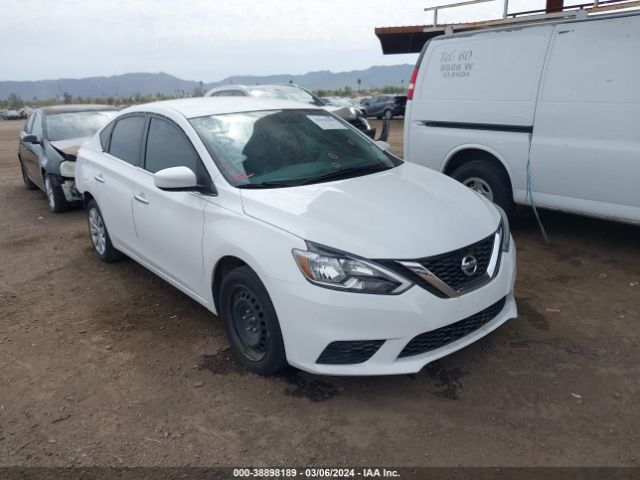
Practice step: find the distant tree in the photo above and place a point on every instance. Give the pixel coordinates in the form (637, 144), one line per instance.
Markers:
(359, 85)
(290, 82)
(14, 101)
(68, 98)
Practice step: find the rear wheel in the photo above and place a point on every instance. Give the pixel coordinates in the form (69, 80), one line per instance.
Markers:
(251, 322)
(55, 196)
(100, 239)
(489, 180)
(25, 178)
(388, 114)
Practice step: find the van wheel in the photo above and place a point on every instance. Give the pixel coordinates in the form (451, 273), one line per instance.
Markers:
(487, 179)
(25, 178)
(251, 323)
(100, 239)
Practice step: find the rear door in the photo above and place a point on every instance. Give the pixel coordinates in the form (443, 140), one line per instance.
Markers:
(111, 179)
(170, 224)
(585, 153)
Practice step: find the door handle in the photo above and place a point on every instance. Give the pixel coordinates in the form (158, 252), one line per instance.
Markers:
(99, 178)
(141, 198)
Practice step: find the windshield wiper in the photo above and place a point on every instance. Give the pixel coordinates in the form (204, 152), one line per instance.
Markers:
(342, 173)
(264, 185)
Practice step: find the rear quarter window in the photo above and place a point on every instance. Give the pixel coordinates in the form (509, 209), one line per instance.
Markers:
(105, 136)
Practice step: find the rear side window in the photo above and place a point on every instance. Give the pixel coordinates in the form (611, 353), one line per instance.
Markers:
(126, 139)
(168, 147)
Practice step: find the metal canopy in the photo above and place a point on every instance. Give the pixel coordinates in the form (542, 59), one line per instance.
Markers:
(411, 39)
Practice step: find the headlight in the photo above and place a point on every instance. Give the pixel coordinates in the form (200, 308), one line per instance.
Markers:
(505, 230)
(365, 123)
(68, 169)
(341, 271)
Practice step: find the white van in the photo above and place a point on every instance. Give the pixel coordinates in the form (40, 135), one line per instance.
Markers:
(546, 113)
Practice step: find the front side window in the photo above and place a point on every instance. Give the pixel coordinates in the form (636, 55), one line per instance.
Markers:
(168, 147)
(28, 125)
(283, 148)
(63, 126)
(36, 128)
(126, 139)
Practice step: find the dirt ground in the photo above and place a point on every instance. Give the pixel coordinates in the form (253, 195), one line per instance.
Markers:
(109, 365)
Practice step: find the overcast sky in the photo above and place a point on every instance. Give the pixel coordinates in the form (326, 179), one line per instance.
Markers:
(208, 39)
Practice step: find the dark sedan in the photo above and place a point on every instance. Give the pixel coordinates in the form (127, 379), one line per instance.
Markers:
(386, 106)
(49, 144)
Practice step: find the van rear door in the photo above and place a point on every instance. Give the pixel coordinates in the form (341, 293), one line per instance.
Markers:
(585, 153)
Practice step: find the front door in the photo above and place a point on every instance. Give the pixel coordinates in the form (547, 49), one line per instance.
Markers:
(170, 224)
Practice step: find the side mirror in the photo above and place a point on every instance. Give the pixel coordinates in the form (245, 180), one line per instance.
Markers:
(29, 139)
(383, 145)
(175, 178)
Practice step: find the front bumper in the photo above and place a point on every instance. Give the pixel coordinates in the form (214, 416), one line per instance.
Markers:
(312, 317)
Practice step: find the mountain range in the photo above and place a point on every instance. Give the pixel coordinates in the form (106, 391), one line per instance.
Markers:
(131, 84)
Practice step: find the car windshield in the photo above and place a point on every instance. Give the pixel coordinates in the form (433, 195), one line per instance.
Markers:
(284, 148)
(286, 93)
(63, 126)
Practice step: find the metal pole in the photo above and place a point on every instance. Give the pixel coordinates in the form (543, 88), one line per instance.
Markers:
(506, 9)
(435, 17)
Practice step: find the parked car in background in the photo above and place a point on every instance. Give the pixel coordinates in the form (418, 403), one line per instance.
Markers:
(314, 245)
(343, 102)
(48, 146)
(297, 94)
(12, 115)
(385, 106)
(523, 115)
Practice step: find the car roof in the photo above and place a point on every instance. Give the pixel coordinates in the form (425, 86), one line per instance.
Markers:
(203, 106)
(75, 108)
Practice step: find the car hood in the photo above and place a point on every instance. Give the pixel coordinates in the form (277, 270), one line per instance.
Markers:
(346, 113)
(405, 212)
(69, 147)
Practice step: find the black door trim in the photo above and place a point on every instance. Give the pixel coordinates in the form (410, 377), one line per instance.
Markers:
(480, 126)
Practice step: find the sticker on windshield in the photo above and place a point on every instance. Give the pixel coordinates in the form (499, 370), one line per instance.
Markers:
(326, 122)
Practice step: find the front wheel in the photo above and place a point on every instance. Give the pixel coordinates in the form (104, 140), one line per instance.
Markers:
(55, 196)
(487, 179)
(100, 239)
(251, 322)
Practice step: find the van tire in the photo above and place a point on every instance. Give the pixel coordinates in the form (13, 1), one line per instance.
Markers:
(490, 176)
(255, 336)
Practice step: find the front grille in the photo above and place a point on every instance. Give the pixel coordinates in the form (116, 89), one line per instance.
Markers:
(349, 352)
(447, 267)
(442, 336)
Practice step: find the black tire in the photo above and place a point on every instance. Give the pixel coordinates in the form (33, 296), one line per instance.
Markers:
(55, 196)
(493, 177)
(251, 323)
(25, 178)
(388, 114)
(101, 245)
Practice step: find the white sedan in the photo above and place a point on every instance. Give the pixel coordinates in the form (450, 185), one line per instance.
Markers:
(315, 246)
